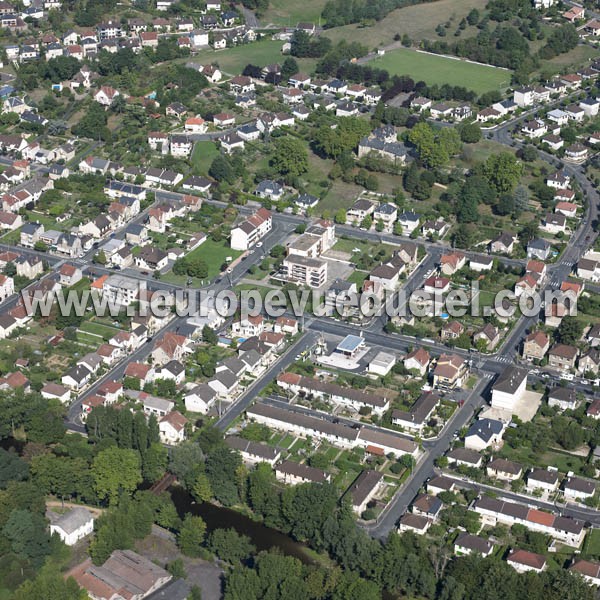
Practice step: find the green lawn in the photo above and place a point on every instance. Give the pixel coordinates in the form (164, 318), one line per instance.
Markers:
(202, 157)
(439, 70)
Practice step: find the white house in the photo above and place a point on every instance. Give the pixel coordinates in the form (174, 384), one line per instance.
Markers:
(171, 428)
(73, 525)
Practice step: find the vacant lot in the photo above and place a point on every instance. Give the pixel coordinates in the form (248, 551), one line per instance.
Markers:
(418, 22)
(438, 69)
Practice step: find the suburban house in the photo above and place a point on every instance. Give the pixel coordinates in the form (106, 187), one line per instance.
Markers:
(562, 357)
(417, 360)
(524, 561)
(466, 544)
(337, 394)
(546, 480)
(484, 433)
(563, 398)
(363, 489)
(465, 457)
(172, 427)
(253, 452)
(419, 414)
(536, 344)
(505, 470)
(578, 489)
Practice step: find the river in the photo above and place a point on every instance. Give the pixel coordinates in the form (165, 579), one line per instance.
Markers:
(263, 537)
(219, 517)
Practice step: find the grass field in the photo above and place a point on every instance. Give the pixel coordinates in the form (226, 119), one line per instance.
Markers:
(418, 22)
(233, 60)
(289, 13)
(438, 69)
(202, 157)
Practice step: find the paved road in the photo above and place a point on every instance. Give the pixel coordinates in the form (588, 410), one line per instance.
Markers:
(305, 342)
(424, 469)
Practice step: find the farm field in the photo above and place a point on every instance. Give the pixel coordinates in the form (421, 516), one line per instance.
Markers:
(439, 70)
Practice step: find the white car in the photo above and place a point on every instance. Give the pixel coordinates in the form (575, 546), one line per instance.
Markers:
(568, 376)
(259, 244)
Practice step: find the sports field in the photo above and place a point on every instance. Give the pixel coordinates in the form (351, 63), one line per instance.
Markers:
(264, 52)
(439, 69)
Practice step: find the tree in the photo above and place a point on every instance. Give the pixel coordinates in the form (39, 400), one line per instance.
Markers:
(505, 205)
(340, 217)
(434, 148)
(528, 153)
(191, 535)
(221, 467)
(229, 545)
(221, 169)
(288, 68)
(116, 471)
(155, 461)
(49, 584)
(12, 468)
(27, 536)
(344, 138)
(93, 124)
(470, 133)
(464, 236)
(185, 461)
(209, 335)
(201, 489)
(503, 171)
(100, 258)
(570, 330)
(289, 157)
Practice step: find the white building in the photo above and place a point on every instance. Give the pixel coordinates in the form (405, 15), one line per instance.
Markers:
(509, 388)
(250, 231)
(73, 526)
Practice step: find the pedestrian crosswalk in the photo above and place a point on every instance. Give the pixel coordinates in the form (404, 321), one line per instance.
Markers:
(503, 359)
